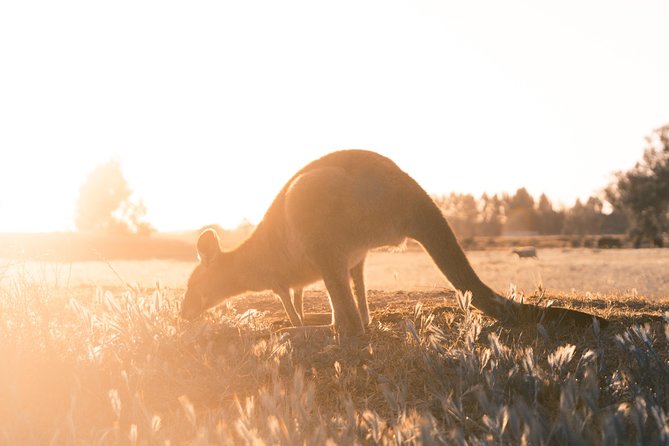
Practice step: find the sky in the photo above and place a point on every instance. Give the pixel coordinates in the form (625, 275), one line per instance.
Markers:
(210, 106)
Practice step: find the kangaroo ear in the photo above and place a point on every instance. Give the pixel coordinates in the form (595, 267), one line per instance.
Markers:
(207, 246)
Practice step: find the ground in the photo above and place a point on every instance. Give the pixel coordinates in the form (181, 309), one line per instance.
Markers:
(108, 363)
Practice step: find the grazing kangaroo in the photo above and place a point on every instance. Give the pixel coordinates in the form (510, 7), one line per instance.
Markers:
(321, 226)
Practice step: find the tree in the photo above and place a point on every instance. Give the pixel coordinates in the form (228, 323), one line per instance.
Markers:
(521, 214)
(614, 223)
(642, 193)
(549, 220)
(584, 219)
(105, 204)
(469, 213)
(492, 215)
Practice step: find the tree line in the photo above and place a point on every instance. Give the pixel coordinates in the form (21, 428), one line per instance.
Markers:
(636, 203)
(521, 214)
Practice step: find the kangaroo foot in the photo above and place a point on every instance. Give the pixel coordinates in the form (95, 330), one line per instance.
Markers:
(580, 318)
(306, 330)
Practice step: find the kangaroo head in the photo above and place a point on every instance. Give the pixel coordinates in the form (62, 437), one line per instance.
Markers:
(211, 281)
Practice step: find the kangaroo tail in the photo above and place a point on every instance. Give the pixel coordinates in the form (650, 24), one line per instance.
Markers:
(431, 230)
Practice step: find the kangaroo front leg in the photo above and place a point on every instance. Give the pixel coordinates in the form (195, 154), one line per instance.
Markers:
(309, 318)
(288, 305)
(314, 319)
(358, 278)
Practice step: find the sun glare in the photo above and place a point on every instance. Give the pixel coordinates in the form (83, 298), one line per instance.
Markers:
(38, 193)
(141, 143)
(211, 110)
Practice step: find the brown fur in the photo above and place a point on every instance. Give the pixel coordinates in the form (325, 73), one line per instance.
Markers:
(321, 225)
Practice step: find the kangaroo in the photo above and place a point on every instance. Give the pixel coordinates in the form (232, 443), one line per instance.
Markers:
(321, 225)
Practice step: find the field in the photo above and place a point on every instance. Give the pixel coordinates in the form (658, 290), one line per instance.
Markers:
(619, 272)
(95, 353)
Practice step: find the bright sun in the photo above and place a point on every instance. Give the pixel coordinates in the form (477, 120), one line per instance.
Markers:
(42, 196)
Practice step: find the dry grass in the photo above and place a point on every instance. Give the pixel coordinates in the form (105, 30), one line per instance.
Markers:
(85, 365)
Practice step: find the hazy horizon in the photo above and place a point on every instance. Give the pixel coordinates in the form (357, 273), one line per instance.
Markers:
(210, 108)
(558, 205)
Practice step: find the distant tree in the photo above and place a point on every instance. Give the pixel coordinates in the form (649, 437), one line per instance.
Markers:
(492, 215)
(549, 220)
(615, 223)
(584, 219)
(642, 193)
(521, 215)
(105, 204)
(469, 212)
(574, 222)
(521, 200)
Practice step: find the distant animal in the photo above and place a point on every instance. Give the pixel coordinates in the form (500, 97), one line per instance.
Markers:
(321, 225)
(609, 242)
(526, 252)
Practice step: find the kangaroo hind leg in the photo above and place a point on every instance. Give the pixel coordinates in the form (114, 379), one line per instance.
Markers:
(358, 279)
(346, 317)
